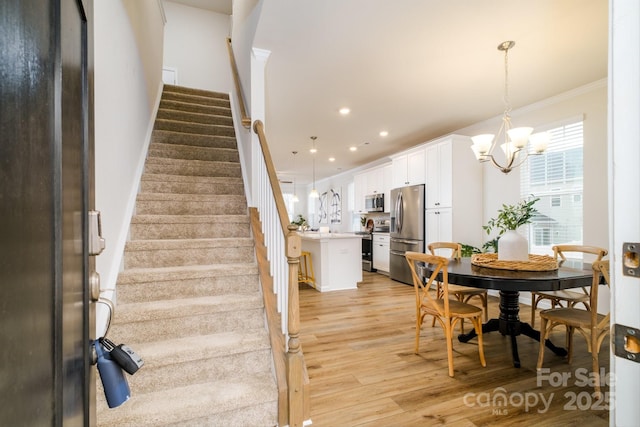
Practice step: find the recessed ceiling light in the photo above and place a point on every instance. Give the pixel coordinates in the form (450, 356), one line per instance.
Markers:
(384, 133)
(332, 159)
(353, 148)
(344, 111)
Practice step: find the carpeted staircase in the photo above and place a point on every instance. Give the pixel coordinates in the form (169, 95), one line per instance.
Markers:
(189, 299)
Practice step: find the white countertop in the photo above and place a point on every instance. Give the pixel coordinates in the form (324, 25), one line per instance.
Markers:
(316, 236)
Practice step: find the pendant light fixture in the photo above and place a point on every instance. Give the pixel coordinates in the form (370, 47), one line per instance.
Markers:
(295, 195)
(314, 193)
(513, 141)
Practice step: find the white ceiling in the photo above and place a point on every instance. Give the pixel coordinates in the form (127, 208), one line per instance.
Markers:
(417, 68)
(218, 6)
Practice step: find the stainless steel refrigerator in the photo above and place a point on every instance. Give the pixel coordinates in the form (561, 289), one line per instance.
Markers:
(406, 229)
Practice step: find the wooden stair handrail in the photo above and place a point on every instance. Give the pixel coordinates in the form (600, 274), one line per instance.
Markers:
(258, 128)
(246, 119)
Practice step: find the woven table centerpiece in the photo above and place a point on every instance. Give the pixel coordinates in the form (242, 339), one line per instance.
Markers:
(535, 263)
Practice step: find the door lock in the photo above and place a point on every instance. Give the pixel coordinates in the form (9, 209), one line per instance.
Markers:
(96, 242)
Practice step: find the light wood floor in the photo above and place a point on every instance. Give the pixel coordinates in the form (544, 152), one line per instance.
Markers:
(358, 347)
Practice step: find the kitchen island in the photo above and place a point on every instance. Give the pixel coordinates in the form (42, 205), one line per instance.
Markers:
(337, 259)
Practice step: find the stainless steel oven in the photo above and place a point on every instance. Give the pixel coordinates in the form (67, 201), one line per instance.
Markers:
(367, 252)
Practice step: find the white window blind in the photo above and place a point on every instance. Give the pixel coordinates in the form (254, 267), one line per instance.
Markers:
(556, 177)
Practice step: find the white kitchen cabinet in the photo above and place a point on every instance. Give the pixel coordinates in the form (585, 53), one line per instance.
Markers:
(376, 180)
(439, 175)
(359, 191)
(439, 225)
(381, 252)
(408, 167)
(453, 192)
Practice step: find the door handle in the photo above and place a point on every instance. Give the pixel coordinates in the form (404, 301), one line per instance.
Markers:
(399, 211)
(408, 242)
(94, 286)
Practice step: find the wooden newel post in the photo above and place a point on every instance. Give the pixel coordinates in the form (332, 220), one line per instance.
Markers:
(295, 369)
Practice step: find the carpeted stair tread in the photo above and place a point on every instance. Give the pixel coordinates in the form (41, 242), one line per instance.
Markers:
(218, 110)
(196, 204)
(180, 252)
(133, 275)
(149, 245)
(180, 362)
(192, 167)
(170, 197)
(194, 128)
(196, 99)
(185, 152)
(199, 402)
(184, 184)
(168, 88)
(206, 163)
(190, 219)
(198, 323)
(182, 138)
(186, 349)
(212, 180)
(157, 227)
(188, 230)
(194, 117)
(185, 307)
(153, 290)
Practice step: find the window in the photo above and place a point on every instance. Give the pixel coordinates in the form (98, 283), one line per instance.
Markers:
(290, 204)
(556, 177)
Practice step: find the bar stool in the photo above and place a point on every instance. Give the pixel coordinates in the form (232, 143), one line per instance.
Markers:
(305, 270)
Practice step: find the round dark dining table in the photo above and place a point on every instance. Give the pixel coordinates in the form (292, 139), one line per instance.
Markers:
(571, 274)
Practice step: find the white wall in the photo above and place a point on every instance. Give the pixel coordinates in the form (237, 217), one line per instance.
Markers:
(195, 44)
(250, 63)
(246, 14)
(128, 72)
(147, 21)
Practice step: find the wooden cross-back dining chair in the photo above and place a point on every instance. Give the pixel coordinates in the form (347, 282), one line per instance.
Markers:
(592, 325)
(461, 293)
(566, 298)
(446, 311)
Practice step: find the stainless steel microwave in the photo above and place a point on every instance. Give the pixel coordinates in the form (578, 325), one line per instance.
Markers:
(374, 203)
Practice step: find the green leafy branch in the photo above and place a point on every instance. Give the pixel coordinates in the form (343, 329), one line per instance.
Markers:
(510, 217)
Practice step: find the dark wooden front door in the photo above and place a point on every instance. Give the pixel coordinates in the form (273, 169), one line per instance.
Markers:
(45, 141)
